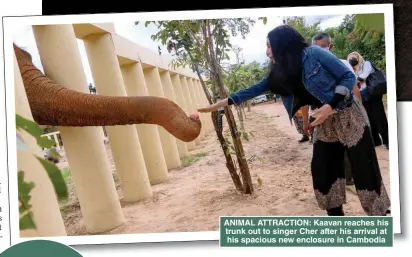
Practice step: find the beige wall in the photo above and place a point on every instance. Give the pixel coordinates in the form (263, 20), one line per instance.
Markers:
(119, 68)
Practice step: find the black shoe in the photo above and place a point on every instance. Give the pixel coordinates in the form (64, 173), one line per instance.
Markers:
(304, 139)
(338, 211)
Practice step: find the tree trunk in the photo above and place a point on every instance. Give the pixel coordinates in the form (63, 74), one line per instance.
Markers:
(243, 110)
(236, 135)
(240, 154)
(229, 161)
(240, 116)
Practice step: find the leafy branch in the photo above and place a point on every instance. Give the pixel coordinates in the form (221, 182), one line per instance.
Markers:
(203, 45)
(25, 188)
(26, 220)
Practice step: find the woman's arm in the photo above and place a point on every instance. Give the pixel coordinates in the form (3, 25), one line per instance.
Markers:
(343, 75)
(249, 93)
(239, 96)
(215, 106)
(356, 92)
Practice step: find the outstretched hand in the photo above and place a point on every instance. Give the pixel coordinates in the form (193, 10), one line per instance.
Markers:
(321, 114)
(214, 107)
(210, 108)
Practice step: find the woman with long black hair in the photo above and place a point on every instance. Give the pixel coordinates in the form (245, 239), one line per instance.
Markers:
(309, 75)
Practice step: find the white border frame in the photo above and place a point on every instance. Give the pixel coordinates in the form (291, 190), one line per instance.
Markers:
(9, 22)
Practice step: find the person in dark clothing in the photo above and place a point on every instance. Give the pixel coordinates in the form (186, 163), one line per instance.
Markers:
(373, 104)
(308, 75)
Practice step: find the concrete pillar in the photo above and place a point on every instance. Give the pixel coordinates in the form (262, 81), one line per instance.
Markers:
(148, 134)
(124, 141)
(189, 102)
(181, 101)
(84, 147)
(45, 207)
(196, 104)
(155, 88)
(171, 95)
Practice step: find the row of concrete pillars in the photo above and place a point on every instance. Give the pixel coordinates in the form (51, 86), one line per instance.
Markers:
(142, 153)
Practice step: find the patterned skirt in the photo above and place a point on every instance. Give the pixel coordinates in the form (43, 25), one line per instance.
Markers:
(298, 121)
(347, 130)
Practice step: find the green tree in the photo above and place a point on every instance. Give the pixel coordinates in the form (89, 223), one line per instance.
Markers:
(363, 33)
(347, 24)
(354, 34)
(307, 31)
(371, 21)
(242, 75)
(203, 45)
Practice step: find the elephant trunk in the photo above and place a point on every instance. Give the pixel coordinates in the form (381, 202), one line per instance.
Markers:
(53, 104)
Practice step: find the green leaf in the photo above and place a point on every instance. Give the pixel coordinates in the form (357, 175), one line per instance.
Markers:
(22, 209)
(147, 23)
(54, 153)
(245, 136)
(30, 126)
(27, 222)
(56, 178)
(265, 20)
(24, 189)
(33, 129)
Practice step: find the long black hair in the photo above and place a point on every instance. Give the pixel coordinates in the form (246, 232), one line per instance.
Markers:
(287, 46)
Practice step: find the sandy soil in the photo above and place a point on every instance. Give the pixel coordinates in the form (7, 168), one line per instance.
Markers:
(197, 195)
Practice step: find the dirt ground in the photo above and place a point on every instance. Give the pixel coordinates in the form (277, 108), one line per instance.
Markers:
(197, 195)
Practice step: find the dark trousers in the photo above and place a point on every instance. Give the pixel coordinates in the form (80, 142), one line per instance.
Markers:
(348, 170)
(378, 120)
(328, 173)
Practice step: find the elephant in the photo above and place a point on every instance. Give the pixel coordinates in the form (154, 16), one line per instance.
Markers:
(56, 105)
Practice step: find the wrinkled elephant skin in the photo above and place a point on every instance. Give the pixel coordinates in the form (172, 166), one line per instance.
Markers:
(54, 104)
